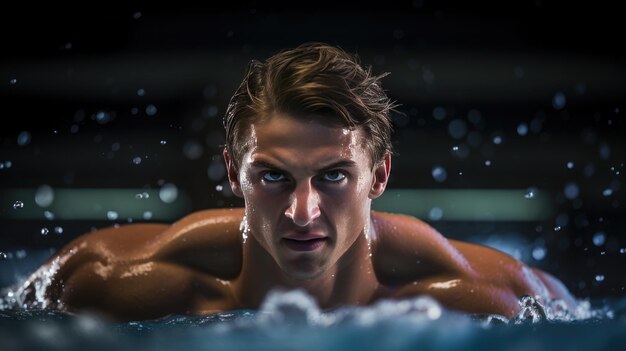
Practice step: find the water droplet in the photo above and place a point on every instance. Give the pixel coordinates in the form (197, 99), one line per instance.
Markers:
(137, 15)
(112, 215)
(151, 110)
(49, 215)
(163, 142)
(557, 228)
(12, 81)
(522, 129)
(439, 113)
(435, 213)
(600, 278)
(599, 238)
(193, 150)
(559, 101)
(571, 191)
(103, 117)
(137, 160)
(457, 128)
(18, 204)
(219, 187)
(168, 193)
(147, 215)
(455, 148)
(3, 256)
(439, 174)
(607, 192)
(497, 140)
(141, 92)
(58, 230)
(487, 163)
(570, 165)
(622, 250)
(531, 193)
(23, 138)
(539, 253)
(44, 196)
(44, 231)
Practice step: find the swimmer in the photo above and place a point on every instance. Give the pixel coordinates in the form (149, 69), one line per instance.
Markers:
(308, 149)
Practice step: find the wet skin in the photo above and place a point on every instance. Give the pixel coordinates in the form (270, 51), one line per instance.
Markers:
(307, 223)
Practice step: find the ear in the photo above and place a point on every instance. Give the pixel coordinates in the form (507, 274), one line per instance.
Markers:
(381, 177)
(233, 174)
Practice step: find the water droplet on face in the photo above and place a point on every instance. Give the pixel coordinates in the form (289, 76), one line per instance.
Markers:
(44, 231)
(112, 215)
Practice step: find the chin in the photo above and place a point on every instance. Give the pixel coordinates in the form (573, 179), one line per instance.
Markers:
(303, 271)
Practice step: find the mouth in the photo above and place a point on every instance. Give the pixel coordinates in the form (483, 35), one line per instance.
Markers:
(305, 244)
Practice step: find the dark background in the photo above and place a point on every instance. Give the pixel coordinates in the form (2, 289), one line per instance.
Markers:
(556, 68)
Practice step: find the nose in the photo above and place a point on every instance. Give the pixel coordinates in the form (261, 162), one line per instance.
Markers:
(304, 207)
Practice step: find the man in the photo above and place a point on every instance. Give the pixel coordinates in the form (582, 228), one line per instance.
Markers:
(308, 149)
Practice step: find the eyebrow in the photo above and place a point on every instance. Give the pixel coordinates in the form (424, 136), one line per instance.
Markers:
(337, 164)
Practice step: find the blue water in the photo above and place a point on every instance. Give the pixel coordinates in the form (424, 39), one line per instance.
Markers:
(292, 321)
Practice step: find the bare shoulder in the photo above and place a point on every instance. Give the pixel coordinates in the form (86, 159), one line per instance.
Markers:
(406, 248)
(149, 270)
(415, 259)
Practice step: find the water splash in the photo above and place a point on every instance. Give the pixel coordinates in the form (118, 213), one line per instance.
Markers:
(533, 311)
(31, 294)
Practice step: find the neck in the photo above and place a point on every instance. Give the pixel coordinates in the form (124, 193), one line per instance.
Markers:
(350, 281)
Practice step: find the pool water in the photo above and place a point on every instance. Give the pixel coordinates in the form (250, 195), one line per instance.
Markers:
(291, 320)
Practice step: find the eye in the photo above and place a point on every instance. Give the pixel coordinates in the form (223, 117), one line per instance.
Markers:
(273, 176)
(334, 176)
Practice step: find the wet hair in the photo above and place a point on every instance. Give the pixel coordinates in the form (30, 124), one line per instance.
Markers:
(311, 80)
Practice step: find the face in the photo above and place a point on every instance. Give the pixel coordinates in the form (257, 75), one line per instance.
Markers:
(307, 186)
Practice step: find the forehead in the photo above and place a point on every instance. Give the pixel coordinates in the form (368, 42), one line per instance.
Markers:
(308, 140)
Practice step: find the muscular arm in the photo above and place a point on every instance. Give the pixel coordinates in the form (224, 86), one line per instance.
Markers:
(463, 276)
(146, 271)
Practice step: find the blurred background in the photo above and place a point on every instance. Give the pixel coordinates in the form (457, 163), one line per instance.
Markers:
(510, 131)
